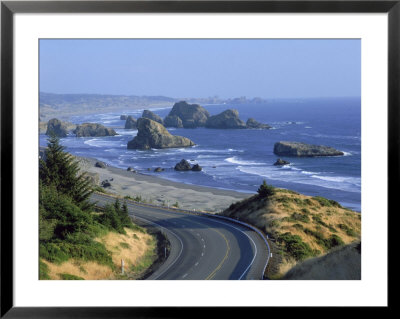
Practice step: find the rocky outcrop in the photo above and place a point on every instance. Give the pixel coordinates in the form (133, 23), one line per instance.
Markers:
(130, 123)
(228, 119)
(123, 117)
(196, 168)
(158, 169)
(93, 129)
(183, 165)
(304, 150)
(105, 183)
(57, 128)
(191, 115)
(154, 135)
(100, 165)
(173, 121)
(281, 162)
(253, 124)
(152, 116)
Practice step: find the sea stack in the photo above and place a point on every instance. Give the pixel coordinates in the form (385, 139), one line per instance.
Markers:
(253, 124)
(152, 134)
(187, 115)
(57, 128)
(228, 119)
(298, 149)
(152, 116)
(93, 129)
(130, 123)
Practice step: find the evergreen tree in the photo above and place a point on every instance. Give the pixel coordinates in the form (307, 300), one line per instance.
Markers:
(265, 190)
(60, 170)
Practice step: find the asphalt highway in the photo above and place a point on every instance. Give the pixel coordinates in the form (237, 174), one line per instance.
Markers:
(201, 247)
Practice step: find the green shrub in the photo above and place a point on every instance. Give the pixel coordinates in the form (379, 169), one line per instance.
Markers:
(264, 191)
(328, 243)
(300, 217)
(349, 231)
(334, 240)
(295, 246)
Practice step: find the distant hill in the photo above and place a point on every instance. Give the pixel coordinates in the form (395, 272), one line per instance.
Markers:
(62, 106)
(300, 227)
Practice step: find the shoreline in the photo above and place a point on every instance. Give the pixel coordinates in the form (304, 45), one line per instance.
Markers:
(160, 191)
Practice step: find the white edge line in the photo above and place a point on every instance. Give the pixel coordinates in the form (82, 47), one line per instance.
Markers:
(151, 222)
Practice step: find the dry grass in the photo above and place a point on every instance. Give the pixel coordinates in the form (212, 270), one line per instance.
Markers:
(343, 263)
(297, 214)
(131, 247)
(85, 270)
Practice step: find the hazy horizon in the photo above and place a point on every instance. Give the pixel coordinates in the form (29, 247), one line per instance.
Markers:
(202, 68)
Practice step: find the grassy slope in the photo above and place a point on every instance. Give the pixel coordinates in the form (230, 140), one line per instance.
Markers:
(302, 226)
(136, 248)
(343, 263)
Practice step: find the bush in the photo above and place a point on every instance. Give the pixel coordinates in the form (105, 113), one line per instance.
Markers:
(334, 240)
(349, 231)
(328, 243)
(300, 217)
(295, 246)
(264, 191)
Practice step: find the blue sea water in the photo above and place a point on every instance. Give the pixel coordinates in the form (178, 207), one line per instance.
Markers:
(241, 159)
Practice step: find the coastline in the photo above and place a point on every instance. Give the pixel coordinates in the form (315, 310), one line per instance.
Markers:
(159, 191)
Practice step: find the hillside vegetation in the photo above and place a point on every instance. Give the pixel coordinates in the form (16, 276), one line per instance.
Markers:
(342, 263)
(300, 226)
(77, 242)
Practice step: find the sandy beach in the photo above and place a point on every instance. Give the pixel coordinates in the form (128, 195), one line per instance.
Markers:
(159, 191)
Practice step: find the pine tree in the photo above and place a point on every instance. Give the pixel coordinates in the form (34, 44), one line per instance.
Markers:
(265, 190)
(61, 170)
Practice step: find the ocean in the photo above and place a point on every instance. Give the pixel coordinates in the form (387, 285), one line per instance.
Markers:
(241, 159)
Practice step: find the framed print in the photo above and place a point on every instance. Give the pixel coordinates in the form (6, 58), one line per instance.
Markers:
(160, 155)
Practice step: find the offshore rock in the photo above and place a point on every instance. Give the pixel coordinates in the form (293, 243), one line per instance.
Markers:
(281, 162)
(173, 121)
(191, 115)
(183, 165)
(57, 128)
(152, 116)
(253, 124)
(100, 165)
(130, 123)
(196, 168)
(154, 135)
(93, 129)
(228, 119)
(304, 150)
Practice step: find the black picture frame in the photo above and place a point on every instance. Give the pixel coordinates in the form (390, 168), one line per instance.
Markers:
(9, 8)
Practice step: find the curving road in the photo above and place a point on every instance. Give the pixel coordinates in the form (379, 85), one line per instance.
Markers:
(201, 247)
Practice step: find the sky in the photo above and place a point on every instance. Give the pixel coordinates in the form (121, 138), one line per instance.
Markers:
(266, 68)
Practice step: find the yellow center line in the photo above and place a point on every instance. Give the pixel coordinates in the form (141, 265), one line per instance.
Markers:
(211, 276)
